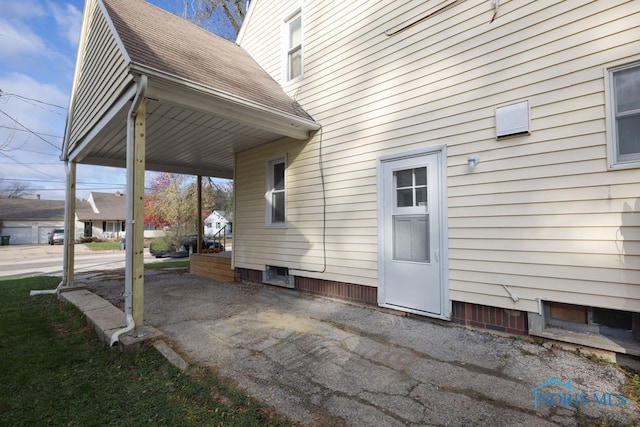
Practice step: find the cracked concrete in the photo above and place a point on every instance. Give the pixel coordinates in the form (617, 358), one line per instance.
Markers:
(320, 361)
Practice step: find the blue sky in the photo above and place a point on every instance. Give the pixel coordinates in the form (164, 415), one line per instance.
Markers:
(38, 45)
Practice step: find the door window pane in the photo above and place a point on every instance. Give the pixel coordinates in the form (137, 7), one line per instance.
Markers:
(421, 176)
(404, 178)
(421, 196)
(411, 187)
(411, 238)
(405, 198)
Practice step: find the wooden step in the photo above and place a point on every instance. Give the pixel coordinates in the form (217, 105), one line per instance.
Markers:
(213, 266)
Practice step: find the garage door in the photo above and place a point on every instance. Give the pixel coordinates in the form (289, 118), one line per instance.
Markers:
(19, 235)
(43, 234)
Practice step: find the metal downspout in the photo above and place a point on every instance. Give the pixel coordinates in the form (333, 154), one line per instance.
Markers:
(128, 283)
(68, 239)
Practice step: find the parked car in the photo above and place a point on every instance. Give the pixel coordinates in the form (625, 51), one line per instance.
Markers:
(56, 236)
(188, 244)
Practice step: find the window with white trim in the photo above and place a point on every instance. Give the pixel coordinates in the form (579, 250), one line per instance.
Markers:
(624, 102)
(293, 46)
(276, 192)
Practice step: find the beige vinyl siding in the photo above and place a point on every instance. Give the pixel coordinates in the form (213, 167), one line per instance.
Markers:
(265, 33)
(300, 244)
(103, 75)
(541, 213)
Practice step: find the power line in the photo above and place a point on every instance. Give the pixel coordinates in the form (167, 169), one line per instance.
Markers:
(39, 163)
(2, 93)
(39, 133)
(39, 152)
(62, 181)
(29, 130)
(27, 166)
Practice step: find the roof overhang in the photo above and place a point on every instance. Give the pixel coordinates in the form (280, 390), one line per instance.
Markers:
(191, 129)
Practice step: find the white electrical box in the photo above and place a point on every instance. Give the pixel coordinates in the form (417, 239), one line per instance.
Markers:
(512, 119)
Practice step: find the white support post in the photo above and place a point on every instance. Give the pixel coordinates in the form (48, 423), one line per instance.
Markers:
(200, 228)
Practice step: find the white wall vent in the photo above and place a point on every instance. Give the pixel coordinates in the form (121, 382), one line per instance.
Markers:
(512, 120)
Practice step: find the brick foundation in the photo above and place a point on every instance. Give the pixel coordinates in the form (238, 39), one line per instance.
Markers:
(494, 318)
(339, 290)
(477, 316)
(325, 288)
(248, 275)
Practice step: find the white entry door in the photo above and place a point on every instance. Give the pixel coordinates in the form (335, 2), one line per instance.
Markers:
(411, 274)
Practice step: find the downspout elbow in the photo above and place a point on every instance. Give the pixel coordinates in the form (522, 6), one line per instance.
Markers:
(115, 338)
(142, 89)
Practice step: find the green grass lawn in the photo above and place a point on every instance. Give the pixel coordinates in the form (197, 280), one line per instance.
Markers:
(55, 371)
(103, 246)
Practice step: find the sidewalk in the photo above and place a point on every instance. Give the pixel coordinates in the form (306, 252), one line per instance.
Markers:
(320, 361)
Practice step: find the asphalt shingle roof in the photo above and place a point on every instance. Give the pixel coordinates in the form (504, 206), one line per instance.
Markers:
(111, 207)
(31, 209)
(159, 40)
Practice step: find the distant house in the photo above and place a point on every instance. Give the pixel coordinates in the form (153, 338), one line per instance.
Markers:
(27, 221)
(103, 216)
(215, 222)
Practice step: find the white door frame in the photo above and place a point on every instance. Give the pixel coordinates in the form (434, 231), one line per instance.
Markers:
(445, 301)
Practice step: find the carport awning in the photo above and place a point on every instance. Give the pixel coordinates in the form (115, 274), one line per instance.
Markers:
(207, 99)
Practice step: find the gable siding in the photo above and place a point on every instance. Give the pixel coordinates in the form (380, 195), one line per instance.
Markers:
(541, 213)
(102, 75)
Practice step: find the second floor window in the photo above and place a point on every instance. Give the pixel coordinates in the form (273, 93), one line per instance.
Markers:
(294, 47)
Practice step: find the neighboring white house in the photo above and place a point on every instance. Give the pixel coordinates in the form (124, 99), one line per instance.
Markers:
(103, 216)
(214, 224)
(474, 161)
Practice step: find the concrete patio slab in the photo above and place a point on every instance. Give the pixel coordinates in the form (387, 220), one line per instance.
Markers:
(320, 361)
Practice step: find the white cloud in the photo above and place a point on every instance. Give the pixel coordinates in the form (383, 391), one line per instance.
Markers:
(18, 40)
(28, 87)
(69, 21)
(20, 113)
(23, 9)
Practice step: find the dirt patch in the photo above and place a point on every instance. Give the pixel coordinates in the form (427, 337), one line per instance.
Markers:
(109, 284)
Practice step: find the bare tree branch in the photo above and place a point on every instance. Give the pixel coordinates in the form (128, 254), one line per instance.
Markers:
(222, 17)
(14, 190)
